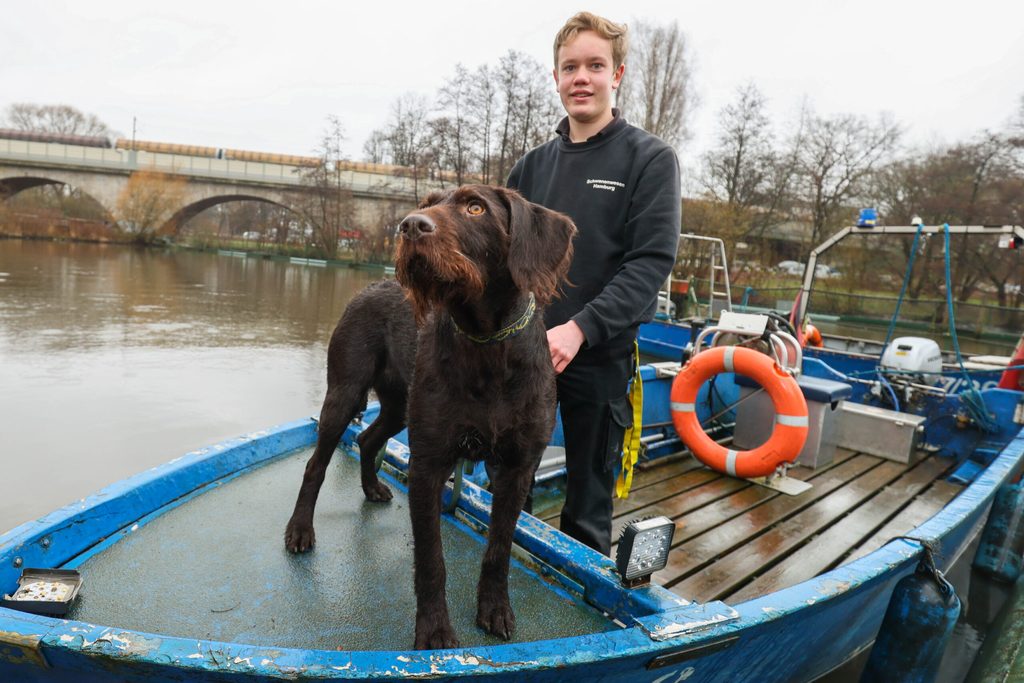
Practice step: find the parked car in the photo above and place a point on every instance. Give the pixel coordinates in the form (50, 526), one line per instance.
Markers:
(790, 268)
(250, 235)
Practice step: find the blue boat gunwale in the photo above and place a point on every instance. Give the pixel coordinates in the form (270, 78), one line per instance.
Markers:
(179, 477)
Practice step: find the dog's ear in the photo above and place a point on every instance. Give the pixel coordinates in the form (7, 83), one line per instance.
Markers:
(431, 199)
(540, 245)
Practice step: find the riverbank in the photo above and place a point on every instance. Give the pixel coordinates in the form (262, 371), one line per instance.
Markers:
(238, 248)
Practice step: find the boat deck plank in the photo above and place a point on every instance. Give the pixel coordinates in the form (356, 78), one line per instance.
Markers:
(694, 516)
(665, 480)
(735, 540)
(710, 533)
(826, 550)
(919, 510)
(777, 539)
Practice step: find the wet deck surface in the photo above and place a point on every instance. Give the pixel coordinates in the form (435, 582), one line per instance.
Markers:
(216, 568)
(735, 540)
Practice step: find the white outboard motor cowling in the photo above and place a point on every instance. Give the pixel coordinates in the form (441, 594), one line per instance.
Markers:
(915, 356)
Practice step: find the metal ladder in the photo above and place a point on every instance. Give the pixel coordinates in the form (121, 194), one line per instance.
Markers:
(718, 264)
(715, 266)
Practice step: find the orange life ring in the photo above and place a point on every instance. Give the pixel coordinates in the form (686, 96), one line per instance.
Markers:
(791, 421)
(812, 336)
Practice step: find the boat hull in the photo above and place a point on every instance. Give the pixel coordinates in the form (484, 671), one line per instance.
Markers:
(795, 634)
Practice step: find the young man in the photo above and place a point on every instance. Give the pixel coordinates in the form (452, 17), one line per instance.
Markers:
(621, 187)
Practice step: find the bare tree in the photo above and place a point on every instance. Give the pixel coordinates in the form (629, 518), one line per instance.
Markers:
(147, 202)
(451, 134)
(325, 203)
(54, 118)
(483, 114)
(406, 129)
(966, 183)
(375, 149)
(407, 136)
(738, 169)
(657, 90)
(835, 158)
(529, 110)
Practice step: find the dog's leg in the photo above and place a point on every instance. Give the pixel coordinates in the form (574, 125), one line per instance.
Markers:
(493, 610)
(433, 626)
(390, 421)
(393, 395)
(340, 406)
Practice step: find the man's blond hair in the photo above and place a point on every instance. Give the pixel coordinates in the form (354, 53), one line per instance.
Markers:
(609, 30)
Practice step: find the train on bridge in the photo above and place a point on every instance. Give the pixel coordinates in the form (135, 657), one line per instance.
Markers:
(126, 144)
(165, 148)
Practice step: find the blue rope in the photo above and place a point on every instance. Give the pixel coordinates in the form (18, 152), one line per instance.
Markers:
(851, 377)
(746, 297)
(888, 371)
(972, 399)
(903, 290)
(828, 368)
(896, 314)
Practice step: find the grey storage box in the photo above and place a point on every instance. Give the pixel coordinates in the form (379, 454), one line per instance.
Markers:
(877, 431)
(755, 417)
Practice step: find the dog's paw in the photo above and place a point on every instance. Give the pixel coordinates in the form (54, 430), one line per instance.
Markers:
(299, 536)
(432, 635)
(497, 618)
(377, 492)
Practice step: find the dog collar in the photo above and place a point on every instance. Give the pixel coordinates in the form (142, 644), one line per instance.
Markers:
(506, 332)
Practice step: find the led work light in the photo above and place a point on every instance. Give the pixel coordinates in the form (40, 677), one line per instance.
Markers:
(643, 549)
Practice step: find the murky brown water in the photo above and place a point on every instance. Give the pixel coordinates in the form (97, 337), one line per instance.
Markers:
(114, 360)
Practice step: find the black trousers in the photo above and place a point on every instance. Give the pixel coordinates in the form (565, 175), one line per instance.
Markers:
(595, 414)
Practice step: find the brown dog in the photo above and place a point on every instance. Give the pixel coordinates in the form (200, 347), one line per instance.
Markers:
(477, 264)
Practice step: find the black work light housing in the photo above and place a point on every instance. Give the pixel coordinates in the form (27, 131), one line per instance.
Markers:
(643, 549)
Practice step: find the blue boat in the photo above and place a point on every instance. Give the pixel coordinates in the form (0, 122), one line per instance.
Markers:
(184, 574)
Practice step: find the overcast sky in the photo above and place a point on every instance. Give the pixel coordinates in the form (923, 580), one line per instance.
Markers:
(265, 76)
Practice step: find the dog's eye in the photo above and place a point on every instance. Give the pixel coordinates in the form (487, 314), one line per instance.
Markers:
(474, 209)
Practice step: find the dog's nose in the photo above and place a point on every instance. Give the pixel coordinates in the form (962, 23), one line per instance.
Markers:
(415, 225)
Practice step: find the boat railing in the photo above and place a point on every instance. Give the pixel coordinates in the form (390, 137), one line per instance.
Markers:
(809, 274)
(785, 349)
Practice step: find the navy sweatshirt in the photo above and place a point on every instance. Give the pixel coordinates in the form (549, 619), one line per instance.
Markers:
(622, 189)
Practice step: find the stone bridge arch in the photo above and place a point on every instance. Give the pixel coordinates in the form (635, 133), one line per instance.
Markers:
(194, 207)
(101, 187)
(14, 181)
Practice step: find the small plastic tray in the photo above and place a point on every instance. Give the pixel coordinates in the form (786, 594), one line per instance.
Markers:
(45, 591)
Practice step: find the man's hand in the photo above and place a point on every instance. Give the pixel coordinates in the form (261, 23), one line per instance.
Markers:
(564, 343)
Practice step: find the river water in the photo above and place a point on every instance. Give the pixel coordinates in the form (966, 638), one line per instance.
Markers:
(114, 359)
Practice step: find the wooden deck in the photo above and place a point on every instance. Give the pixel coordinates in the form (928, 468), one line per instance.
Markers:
(735, 540)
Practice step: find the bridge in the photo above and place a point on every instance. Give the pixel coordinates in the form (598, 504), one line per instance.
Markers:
(102, 173)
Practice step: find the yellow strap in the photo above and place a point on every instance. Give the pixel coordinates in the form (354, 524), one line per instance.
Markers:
(631, 442)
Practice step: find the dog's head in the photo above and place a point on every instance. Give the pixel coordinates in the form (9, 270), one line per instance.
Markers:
(458, 243)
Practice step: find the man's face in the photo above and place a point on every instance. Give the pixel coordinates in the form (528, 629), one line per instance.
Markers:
(585, 77)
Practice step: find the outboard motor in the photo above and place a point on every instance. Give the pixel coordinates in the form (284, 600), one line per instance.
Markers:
(918, 357)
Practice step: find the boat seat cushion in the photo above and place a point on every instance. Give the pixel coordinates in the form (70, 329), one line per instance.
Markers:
(814, 388)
